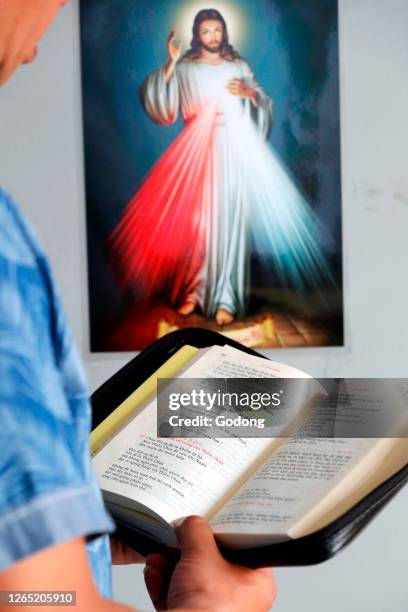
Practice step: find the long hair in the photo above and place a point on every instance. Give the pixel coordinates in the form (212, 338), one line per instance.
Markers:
(227, 51)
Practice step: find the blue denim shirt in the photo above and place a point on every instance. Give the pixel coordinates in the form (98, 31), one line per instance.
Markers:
(48, 491)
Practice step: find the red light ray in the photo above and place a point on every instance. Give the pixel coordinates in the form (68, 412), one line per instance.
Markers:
(160, 240)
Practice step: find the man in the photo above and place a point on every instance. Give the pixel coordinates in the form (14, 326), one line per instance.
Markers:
(219, 193)
(202, 191)
(53, 526)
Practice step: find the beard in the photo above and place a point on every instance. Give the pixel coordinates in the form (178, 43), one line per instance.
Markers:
(215, 49)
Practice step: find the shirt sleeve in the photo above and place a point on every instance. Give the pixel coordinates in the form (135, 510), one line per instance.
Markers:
(48, 490)
(262, 114)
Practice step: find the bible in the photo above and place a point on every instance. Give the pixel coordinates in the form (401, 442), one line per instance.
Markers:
(266, 498)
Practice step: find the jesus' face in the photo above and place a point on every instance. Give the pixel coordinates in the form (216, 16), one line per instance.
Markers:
(211, 35)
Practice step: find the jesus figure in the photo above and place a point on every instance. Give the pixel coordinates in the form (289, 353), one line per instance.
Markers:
(219, 192)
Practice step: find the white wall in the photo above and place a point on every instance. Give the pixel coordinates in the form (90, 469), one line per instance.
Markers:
(41, 165)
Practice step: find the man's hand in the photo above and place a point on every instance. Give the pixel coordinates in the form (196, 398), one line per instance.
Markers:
(237, 87)
(22, 24)
(123, 554)
(173, 50)
(203, 579)
(174, 55)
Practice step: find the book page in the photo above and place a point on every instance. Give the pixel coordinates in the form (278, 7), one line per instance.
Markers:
(177, 477)
(310, 481)
(383, 460)
(372, 408)
(288, 484)
(127, 409)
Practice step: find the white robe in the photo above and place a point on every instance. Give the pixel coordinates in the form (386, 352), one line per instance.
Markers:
(230, 194)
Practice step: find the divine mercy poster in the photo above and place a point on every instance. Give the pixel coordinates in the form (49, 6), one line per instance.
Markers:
(212, 165)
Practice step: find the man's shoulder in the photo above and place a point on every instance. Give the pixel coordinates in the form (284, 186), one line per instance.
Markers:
(185, 63)
(18, 242)
(244, 64)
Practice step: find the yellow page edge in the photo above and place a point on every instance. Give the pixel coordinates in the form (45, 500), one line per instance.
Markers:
(136, 399)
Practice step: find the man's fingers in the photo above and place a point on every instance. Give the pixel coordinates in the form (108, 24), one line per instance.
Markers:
(7, 67)
(157, 576)
(122, 554)
(195, 536)
(156, 585)
(267, 577)
(234, 86)
(30, 57)
(158, 561)
(171, 36)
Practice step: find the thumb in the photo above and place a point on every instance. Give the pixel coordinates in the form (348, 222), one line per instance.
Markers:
(196, 537)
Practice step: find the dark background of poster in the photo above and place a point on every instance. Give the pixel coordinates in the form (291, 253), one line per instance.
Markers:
(293, 50)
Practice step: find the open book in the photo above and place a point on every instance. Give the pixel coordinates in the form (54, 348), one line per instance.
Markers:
(254, 491)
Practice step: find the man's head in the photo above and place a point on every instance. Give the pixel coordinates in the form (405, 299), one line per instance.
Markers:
(22, 25)
(210, 33)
